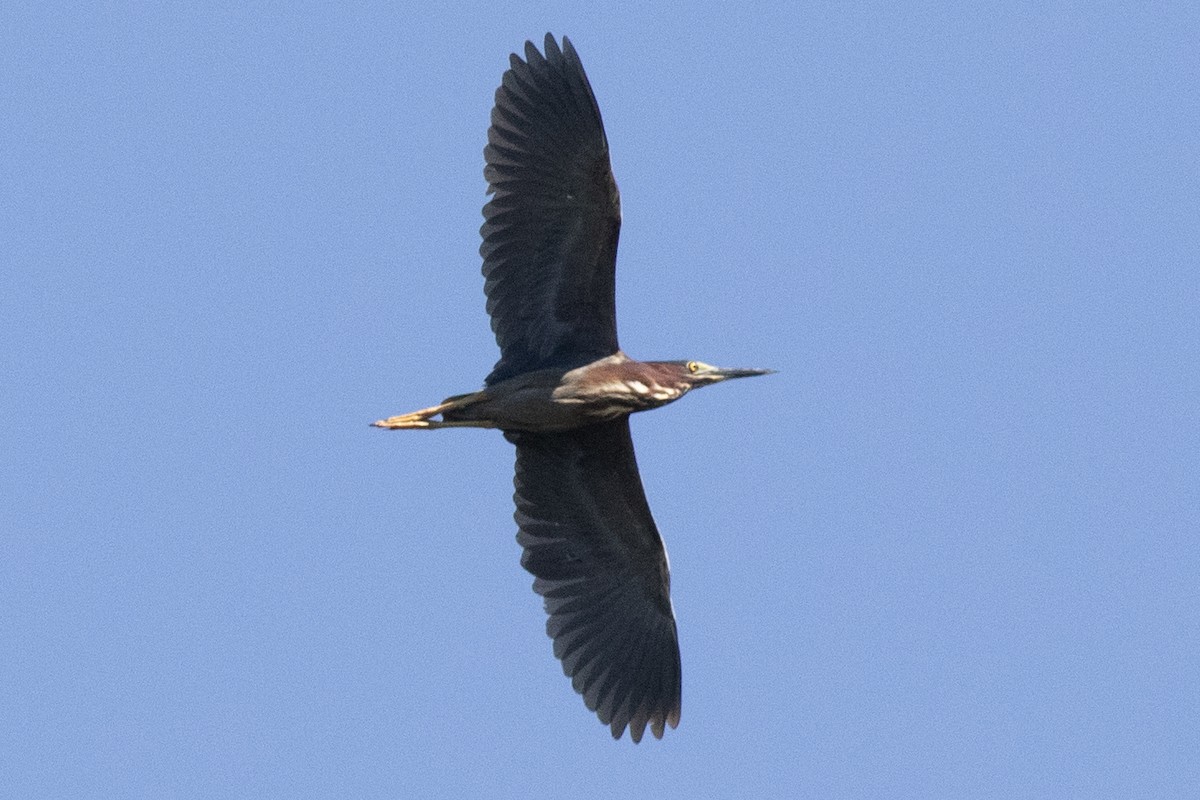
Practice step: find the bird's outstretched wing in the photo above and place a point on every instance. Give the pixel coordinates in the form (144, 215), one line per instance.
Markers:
(599, 562)
(550, 232)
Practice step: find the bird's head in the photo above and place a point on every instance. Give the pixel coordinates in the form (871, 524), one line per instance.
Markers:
(694, 374)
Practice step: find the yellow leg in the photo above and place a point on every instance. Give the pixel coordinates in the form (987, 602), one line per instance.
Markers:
(422, 418)
(398, 423)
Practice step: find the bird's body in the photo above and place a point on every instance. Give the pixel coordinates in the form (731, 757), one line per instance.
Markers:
(560, 400)
(557, 399)
(563, 390)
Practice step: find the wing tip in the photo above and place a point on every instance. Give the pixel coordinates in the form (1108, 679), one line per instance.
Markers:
(657, 722)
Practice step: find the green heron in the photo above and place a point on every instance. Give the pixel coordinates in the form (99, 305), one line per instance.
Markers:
(562, 392)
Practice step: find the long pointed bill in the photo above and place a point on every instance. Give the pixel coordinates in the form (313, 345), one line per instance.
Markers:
(729, 374)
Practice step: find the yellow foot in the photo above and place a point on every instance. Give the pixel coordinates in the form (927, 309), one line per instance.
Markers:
(423, 418)
(398, 423)
(402, 421)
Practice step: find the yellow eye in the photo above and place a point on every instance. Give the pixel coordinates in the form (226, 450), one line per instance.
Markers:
(693, 366)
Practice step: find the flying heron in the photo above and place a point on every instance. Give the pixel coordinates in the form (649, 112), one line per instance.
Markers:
(563, 390)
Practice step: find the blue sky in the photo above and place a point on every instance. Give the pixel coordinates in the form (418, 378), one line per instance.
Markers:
(949, 550)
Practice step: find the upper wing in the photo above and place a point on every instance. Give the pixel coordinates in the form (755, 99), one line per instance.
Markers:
(600, 565)
(550, 232)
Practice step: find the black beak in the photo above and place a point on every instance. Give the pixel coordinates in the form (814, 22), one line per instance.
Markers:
(729, 374)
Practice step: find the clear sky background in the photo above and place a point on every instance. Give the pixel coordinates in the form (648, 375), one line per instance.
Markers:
(949, 550)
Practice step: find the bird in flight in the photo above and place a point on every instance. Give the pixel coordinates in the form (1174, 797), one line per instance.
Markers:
(563, 390)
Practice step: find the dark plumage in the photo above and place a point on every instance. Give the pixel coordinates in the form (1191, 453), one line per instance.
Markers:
(563, 391)
(550, 235)
(601, 567)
